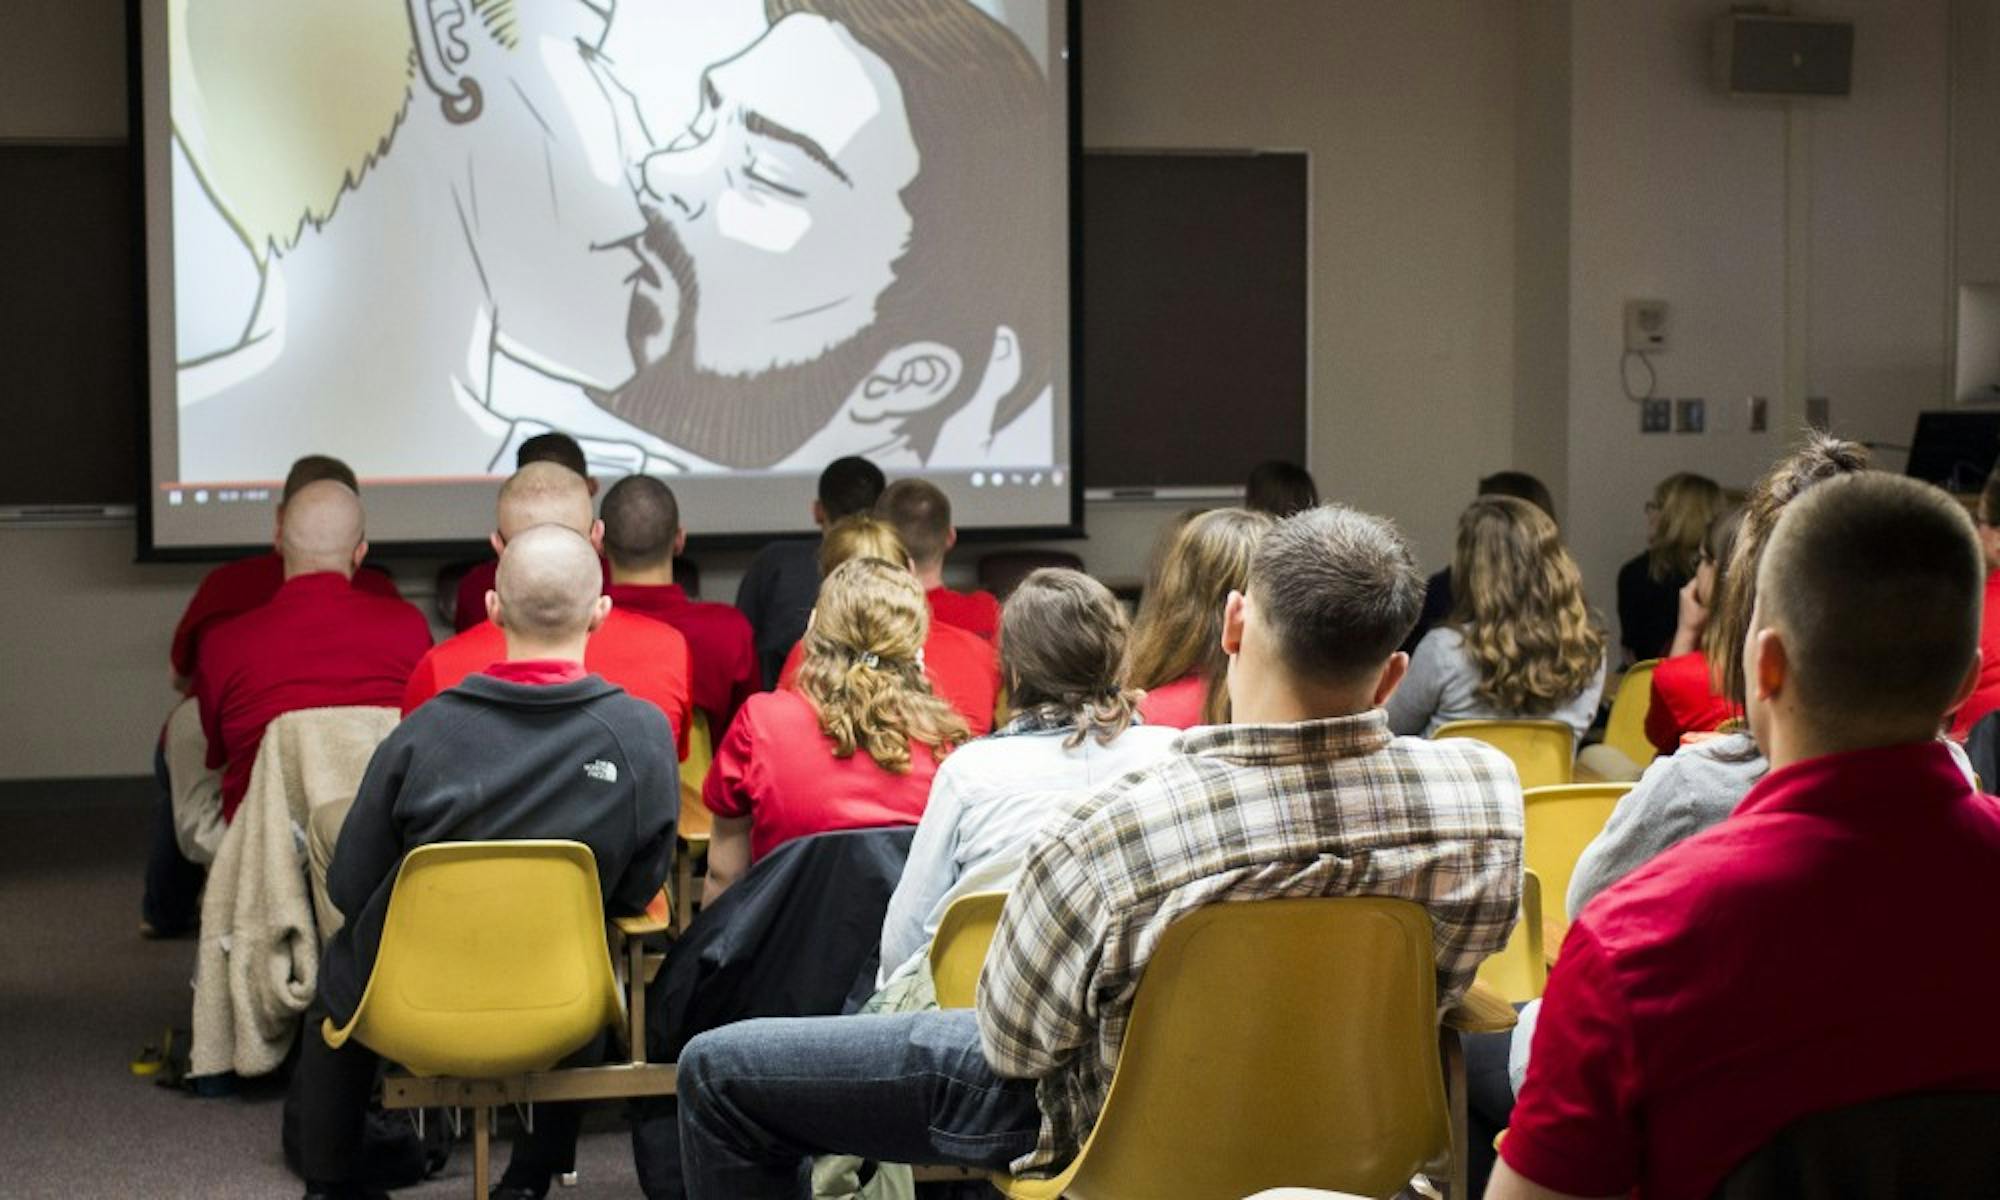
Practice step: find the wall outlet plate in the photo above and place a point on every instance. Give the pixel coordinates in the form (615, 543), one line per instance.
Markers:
(1759, 409)
(1656, 416)
(1691, 415)
(1645, 326)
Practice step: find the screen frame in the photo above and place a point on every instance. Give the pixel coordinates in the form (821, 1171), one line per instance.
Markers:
(149, 551)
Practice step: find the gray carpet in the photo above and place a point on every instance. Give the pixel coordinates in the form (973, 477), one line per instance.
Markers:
(81, 992)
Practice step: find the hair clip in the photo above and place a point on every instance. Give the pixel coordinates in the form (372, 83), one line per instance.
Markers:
(870, 659)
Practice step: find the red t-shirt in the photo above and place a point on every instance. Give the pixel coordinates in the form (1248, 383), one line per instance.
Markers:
(1985, 696)
(962, 668)
(719, 640)
(975, 611)
(478, 580)
(317, 643)
(1683, 702)
(647, 658)
(1709, 999)
(1176, 705)
(777, 768)
(237, 587)
(537, 672)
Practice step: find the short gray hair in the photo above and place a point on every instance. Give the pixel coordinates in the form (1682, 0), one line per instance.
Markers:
(1339, 588)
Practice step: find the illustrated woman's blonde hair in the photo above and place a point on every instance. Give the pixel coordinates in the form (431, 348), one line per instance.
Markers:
(1517, 600)
(863, 670)
(1180, 617)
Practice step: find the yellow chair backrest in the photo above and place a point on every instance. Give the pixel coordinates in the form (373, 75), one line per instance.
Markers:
(1544, 752)
(1520, 970)
(1273, 1043)
(1560, 822)
(492, 963)
(1625, 728)
(958, 952)
(701, 750)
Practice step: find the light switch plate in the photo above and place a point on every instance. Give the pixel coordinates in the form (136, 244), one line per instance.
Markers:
(1759, 413)
(1690, 415)
(1656, 416)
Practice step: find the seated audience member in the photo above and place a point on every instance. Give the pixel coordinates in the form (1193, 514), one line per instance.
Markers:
(1062, 653)
(647, 658)
(778, 588)
(500, 756)
(558, 448)
(1649, 585)
(1177, 655)
(642, 538)
(962, 667)
(1520, 641)
(320, 642)
(1437, 589)
(1985, 698)
(1706, 1001)
(1280, 488)
(921, 514)
(852, 743)
(1309, 779)
(1685, 697)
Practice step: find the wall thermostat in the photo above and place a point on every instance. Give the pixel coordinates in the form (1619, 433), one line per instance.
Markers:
(1645, 326)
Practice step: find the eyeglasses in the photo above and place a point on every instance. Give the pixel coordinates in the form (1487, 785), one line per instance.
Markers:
(1652, 508)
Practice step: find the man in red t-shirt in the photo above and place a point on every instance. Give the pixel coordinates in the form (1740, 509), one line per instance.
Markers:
(642, 537)
(1707, 1001)
(921, 513)
(319, 643)
(558, 448)
(647, 658)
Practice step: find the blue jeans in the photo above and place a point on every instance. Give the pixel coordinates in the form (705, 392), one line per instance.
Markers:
(758, 1097)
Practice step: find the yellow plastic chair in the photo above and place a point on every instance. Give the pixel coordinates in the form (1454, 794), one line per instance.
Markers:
(1544, 752)
(1560, 823)
(1520, 970)
(1280, 1043)
(701, 750)
(493, 967)
(958, 952)
(1625, 728)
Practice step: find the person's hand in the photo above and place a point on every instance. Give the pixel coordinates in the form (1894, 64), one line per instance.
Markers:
(1693, 619)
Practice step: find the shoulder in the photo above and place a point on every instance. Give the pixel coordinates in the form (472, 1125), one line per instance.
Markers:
(720, 619)
(780, 711)
(961, 646)
(1635, 570)
(1442, 649)
(1459, 762)
(629, 631)
(628, 715)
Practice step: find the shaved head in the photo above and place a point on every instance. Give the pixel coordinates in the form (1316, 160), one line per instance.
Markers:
(548, 583)
(322, 529)
(544, 493)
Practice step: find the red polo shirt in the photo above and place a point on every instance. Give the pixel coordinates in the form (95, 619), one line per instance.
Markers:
(237, 587)
(719, 641)
(478, 580)
(646, 658)
(1709, 999)
(1176, 705)
(975, 612)
(1683, 702)
(778, 769)
(1985, 696)
(963, 670)
(317, 643)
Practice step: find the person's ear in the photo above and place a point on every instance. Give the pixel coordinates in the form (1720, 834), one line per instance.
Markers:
(493, 609)
(909, 379)
(680, 542)
(1234, 617)
(498, 543)
(360, 553)
(950, 538)
(444, 30)
(819, 514)
(1970, 683)
(278, 530)
(598, 612)
(1392, 675)
(597, 536)
(1770, 665)
(590, 483)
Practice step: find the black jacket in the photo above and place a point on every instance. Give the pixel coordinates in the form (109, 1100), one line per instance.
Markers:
(490, 760)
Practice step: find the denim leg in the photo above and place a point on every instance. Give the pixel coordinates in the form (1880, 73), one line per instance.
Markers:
(758, 1096)
(172, 902)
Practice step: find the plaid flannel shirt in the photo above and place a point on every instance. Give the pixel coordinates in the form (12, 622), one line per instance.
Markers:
(1334, 807)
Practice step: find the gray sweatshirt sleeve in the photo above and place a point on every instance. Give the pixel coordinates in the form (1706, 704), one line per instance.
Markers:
(1679, 796)
(1415, 700)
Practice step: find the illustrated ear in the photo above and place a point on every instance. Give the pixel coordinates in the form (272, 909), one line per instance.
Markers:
(443, 53)
(909, 379)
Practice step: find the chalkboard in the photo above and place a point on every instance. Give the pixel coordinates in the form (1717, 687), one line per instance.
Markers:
(1194, 289)
(70, 357)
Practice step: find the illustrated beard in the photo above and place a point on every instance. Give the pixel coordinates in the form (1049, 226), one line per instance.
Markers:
(749, 420)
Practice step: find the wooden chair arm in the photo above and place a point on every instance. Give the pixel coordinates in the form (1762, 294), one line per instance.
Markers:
(1481, 1010)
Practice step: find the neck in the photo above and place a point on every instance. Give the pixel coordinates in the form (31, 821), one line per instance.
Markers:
(525, 648)
(1273, 698)
(654, 576)
(294, 569)
(931, 576)
(1792, 741)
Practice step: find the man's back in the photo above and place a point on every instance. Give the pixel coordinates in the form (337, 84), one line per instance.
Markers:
(239, 586)
(724, 660)
(976, 612)
(317, 643)
(777, 596)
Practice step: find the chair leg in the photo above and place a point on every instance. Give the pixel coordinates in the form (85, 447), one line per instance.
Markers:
(481, 1166)
(1454, 1054)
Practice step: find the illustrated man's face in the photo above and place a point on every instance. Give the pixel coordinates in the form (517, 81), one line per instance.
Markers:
(781, 203)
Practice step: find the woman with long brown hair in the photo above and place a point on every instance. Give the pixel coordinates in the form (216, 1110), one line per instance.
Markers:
(1520, 641)
(1177, 656)
(1684, 697)
(853, 744)
(1677, 518)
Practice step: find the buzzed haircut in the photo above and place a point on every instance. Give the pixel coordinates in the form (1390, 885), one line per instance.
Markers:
(1521, 486)
(313, 468)
(548, 582)
(849, 485)
(1875, 582)
(558, 448)
(921, 513)
(545, 493)
(1339, 589)
(323, 524)
(641, 520)
(1280, 488)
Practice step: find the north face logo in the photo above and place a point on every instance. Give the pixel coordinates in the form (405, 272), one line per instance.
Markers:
(603, 772)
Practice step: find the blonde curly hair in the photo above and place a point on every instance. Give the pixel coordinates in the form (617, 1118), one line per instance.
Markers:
(863, 669)
(1517, 600)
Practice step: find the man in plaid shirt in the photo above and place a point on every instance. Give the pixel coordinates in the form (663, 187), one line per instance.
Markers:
(1307, 794)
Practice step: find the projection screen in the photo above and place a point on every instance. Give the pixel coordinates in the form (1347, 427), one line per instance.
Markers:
(719, 241)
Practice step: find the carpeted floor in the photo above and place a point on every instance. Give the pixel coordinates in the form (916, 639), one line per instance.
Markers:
(81, 992)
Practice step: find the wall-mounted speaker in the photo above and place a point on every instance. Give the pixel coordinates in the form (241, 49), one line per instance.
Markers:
(1758, 54)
